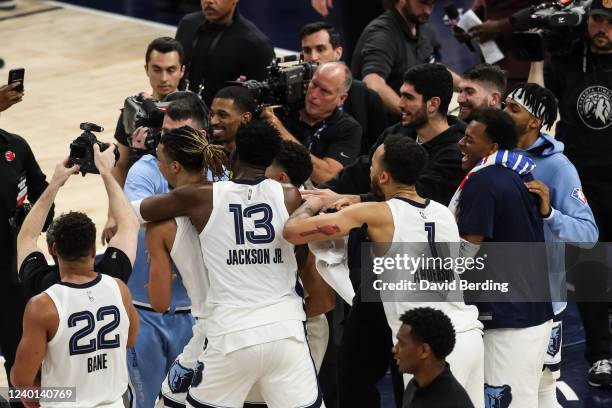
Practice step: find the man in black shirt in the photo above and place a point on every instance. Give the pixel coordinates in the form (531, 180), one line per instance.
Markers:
(322, 43)
(426, 93)
(582, 82)
(21, 180)
(221, 45)
(34, 272)
(395, 41)
(164, 67)
(424, 340)
(332, 135)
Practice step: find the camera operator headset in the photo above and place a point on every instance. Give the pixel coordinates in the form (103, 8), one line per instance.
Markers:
(21, 180)
(582, 81)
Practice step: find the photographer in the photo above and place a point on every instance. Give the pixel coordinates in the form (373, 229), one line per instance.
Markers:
(582, 82)
(320, 42)
(332, 135)
(35, 274)
(21, 180)
(164, 67)
(162, 337)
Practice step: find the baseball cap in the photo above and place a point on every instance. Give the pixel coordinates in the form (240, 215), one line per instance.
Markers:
(602, 8)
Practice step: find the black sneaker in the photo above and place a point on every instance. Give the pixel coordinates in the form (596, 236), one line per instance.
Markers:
(600, 374)
(7, 4)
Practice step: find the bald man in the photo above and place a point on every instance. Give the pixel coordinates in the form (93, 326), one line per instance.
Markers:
(331, 135)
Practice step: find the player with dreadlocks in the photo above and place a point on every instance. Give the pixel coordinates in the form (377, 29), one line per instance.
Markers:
(254, 309)
(563, 206)
(185, 157)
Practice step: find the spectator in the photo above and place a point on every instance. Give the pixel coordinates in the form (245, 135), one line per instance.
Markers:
(424, 340)
(322, 43)
(493, 205)
(21, 180)
(211, 39)
(392, 43)
(582, 83)
(332, 136)
(567, 217)
(482, 86)
(232, 107)
(164, 67)
(426, 94)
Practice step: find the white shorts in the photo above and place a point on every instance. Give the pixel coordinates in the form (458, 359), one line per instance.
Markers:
(467, 364)
(513, 365)
(282, 370)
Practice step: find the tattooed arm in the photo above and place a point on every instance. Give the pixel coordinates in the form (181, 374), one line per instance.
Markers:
(303, 226)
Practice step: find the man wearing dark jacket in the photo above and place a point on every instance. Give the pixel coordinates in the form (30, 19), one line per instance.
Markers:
(21, 180)
(221, 45)
(425, 96)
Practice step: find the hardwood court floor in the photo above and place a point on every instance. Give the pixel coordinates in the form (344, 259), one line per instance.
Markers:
(80, 65)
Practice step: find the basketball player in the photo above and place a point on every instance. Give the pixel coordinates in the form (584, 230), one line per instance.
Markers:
(256, 318)
(78, 329)
(404, 217)
(182, 160)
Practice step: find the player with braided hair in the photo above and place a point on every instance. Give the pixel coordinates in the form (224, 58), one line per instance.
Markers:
(185, 156)
(566, 214)
(254, 307)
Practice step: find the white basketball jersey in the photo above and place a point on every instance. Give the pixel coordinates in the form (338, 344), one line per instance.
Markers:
(252, 268)
(429, 222)
(186, 254)
(88, 350)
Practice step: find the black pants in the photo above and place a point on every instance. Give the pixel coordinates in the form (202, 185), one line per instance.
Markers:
(365, 356)
(12, 304)
(592, 279)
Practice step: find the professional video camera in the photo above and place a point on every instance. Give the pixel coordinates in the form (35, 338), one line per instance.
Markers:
(284, 87)
(141, 112)
(81, 150)
(560, 25)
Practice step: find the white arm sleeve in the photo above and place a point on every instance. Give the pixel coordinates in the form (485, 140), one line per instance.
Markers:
(136, 208)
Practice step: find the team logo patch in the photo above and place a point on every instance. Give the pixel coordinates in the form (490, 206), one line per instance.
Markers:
(607, 4)
(554, 343)
(497, 397)
(9, 156)
(179, 378)
(197, 375)
(594, 107)
(578, 195)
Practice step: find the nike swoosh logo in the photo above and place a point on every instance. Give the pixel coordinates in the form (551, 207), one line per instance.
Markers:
(344, 155)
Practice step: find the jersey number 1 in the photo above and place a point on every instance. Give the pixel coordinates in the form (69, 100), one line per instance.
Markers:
(263, 223)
